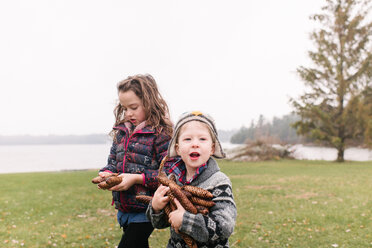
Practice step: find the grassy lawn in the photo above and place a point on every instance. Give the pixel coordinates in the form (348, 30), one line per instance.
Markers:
(280, 204)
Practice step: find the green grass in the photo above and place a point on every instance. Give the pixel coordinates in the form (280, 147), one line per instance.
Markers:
(280, 204)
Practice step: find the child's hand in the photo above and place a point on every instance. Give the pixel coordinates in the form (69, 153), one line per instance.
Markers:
(128, 181)
(176, 217)
(160, 200)
(104, 174)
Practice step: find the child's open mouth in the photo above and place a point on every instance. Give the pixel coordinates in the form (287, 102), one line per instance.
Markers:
(194, 155)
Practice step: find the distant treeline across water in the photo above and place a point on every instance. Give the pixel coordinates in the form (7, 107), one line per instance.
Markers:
(73, 139)
(55, 139)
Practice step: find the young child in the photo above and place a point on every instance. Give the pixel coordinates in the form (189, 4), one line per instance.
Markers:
(141, 133)
(195, 141)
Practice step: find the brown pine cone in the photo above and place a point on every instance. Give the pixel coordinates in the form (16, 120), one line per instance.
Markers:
(172, 177)
(201, 209)
(164, 180)
(114, 180)
(188, 240)
(197, 191)
(97, 180)
(143, 198)
(185, 202)
(103, 185)
(202, 202)
(187, 193)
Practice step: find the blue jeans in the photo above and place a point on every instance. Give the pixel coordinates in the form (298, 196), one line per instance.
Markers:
(125, 219)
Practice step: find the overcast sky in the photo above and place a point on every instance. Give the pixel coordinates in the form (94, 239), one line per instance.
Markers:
(60, 60)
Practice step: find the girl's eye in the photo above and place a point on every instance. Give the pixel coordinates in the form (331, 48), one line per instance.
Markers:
(203, 139)
(187, 139)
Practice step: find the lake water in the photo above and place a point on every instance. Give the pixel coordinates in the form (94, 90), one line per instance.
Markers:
(32, 158)
(330, 154)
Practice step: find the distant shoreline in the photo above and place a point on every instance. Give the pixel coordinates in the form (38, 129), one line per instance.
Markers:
(55, 139)
(100, 138)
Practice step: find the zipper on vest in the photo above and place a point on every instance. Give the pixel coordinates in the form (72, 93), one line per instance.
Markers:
(127, 142)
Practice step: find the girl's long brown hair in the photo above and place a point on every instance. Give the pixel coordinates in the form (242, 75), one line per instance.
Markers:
(156, 109)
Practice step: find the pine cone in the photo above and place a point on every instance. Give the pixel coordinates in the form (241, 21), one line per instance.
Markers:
(144, 198)
(202, 202)
(197, 191)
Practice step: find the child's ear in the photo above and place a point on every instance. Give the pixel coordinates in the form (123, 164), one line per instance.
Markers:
(177, 148)
(213, 149)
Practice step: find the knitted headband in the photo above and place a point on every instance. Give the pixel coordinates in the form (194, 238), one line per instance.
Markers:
(196, 116)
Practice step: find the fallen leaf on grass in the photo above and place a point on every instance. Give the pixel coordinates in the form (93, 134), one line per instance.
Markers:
(236, 242)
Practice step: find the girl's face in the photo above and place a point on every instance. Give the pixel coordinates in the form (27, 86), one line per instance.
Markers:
(194, 145)
(132, 104)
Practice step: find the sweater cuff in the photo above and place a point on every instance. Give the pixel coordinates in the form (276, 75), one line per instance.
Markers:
(187, 222)
(155, 216)
(143, 179)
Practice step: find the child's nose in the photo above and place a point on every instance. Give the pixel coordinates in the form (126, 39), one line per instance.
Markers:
(195, 143)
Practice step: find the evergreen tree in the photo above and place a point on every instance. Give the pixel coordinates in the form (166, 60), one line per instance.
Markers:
(330, 109)
(279, 129)
(243, 134)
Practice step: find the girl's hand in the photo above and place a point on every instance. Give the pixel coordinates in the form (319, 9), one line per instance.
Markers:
(104, 174)
(128, 180)
(176, 217)
(160, 200)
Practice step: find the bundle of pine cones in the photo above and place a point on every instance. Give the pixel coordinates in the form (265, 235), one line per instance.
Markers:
(193, 199)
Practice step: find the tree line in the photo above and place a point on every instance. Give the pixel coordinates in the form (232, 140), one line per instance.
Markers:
(279, 131)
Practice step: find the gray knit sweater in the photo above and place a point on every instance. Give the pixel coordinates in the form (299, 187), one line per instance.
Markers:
(214, 229)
